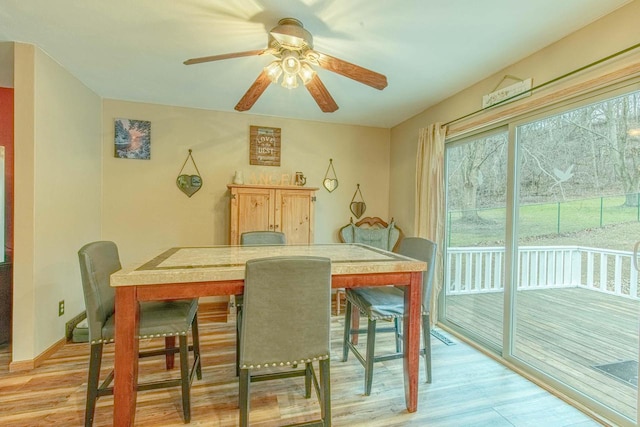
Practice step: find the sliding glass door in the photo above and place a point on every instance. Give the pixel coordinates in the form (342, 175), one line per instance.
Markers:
(576, 304)
(542, 218)
(476, 197)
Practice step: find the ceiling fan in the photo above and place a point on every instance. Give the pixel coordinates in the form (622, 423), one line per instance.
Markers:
(292, 46)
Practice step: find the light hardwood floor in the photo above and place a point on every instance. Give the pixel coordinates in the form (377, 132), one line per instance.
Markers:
(468, 389)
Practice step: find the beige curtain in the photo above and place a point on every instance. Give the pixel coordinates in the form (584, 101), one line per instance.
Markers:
(429, 199)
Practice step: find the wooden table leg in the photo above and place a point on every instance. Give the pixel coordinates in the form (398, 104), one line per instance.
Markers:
(411, 333)
(170, 343)
(355, 324)
(126, 356)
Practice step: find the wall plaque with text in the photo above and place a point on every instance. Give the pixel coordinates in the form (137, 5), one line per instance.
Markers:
(264, 146)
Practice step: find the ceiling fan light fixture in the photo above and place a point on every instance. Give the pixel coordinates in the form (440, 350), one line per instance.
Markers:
(306, 73)
(274, 71)
(290, 81)
(292, 47)
(290, 63)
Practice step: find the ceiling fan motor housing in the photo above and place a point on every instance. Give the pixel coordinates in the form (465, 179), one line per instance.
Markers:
(290, 34)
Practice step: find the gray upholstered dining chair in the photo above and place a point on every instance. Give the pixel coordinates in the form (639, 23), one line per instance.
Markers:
(253, 238)
(286, 322)
(263, 238)
(168, 319)
(387, 303)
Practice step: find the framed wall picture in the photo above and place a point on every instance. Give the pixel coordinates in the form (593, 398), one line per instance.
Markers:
(132, 139)
(264, 146)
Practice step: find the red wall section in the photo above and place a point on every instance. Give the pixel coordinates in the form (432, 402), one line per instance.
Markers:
(6, 140)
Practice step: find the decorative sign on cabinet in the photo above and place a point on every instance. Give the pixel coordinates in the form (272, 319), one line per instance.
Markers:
(288, 209)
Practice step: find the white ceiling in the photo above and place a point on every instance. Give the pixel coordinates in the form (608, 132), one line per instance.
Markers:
(428, 49)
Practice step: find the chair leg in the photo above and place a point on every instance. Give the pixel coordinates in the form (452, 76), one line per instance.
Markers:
(347, 330)
(325, 392)
(238, 325)
(185, 380)
(243, 397)
(371, 346)
(426, 336)
(397, 329)
(95, 360)
(195, 336)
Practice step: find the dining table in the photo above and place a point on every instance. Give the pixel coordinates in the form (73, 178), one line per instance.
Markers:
(190, 272)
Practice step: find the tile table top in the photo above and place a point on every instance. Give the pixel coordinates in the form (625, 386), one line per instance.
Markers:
(216, 263)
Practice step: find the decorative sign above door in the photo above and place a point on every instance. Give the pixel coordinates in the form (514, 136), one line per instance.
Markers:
(264, 146)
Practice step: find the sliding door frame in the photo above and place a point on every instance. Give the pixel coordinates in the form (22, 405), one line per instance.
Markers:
(505, 354)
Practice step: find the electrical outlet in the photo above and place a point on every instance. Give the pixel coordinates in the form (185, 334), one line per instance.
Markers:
(60, 308)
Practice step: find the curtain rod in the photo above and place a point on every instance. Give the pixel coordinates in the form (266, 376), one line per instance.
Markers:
(570, 73)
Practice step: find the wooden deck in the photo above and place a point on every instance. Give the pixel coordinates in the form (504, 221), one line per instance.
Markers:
(564, 333)
(468, 389)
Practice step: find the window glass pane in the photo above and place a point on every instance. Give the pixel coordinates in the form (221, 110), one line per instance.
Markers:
(576, 305)
(476, 200)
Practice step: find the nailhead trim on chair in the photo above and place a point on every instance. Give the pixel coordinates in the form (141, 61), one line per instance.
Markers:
(276, 364)
(362, 311)
(110, 340)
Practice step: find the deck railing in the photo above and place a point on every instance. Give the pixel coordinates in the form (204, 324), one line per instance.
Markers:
(480, 269)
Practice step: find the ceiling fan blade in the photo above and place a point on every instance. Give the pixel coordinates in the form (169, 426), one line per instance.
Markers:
(323, 98)
(224, 56)
(352, 71)
(254, 92)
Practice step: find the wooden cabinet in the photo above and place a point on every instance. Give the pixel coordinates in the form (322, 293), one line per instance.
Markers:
(288, 209)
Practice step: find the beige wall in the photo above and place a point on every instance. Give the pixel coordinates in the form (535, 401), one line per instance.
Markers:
(612, 33)
(6, 64)
(57, 196)
(144, 211)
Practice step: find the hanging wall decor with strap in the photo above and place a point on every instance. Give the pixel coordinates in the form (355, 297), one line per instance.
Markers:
(358, 208)
(189, 184)
(330, 183)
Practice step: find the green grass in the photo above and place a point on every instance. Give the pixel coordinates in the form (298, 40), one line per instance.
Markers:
(538, 221)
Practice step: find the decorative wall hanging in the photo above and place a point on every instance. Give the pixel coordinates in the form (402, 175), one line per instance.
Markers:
(132, 139)
(358, 208)
(264, 146)
(330, 183)
(189, 184)
(508, 94)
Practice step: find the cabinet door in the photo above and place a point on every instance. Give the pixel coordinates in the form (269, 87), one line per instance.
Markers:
(251, 210)
(294, 215)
